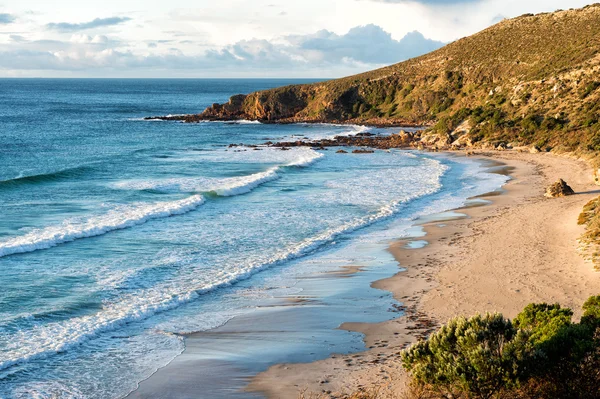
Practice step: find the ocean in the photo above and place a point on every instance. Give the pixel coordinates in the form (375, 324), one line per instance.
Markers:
(119, 234)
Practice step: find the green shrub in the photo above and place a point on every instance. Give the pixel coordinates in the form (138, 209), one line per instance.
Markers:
(407, 90)
(479, 355)
(591, 312)
(544, 321)
(541, 354)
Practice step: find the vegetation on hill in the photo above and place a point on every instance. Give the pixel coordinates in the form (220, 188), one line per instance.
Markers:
(531, 80)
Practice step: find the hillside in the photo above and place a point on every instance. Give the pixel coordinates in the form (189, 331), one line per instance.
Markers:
(531, 80)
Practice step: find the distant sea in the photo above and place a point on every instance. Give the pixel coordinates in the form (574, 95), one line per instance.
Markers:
(117, 234)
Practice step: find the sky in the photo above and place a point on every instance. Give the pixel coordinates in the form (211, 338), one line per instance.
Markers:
(236, 38)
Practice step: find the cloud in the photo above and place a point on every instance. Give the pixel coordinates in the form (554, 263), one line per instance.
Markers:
(6, 19)
(96, 23)
(498, 18)
(360, 49)
(87, 39)
(18, 38)
(367, 44)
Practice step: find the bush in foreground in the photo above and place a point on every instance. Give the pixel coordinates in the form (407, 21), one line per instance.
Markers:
(540, 354)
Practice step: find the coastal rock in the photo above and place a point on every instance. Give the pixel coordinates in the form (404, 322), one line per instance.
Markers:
(400, 140)
(341, 152)
(437, 140)
(363, 152)
(406, 138)
(231, 110)
(559, 189)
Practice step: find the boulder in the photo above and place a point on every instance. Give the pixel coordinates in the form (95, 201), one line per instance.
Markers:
(341, 152)
(559, 189)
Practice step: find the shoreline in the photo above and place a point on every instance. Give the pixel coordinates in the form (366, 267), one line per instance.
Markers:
(373, 123)
(299, 327)
(519, 248)
(281, 319)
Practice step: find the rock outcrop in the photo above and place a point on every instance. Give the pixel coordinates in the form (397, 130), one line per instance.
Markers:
(559, 189)
(365, 140)
(526, 81)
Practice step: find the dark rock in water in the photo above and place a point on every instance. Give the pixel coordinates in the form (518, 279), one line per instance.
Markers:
(559, 189)
(341, 152)
(363, 152)
(401, 140)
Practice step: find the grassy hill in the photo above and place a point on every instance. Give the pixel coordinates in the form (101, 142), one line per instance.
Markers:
(531, 80)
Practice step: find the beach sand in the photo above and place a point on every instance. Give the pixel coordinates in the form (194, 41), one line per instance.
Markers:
(520, 248)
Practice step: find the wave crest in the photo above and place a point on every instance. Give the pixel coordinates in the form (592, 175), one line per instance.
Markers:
(52, 236)
(224, 187)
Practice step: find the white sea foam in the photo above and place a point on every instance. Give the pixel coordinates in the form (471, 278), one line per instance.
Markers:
(46, 340)
(48, 390)
(227, 187)
(246, 122)
(306, 158)
(243, 185)
(340, 130)
(114, 220)
(133, 215)
(234, 122)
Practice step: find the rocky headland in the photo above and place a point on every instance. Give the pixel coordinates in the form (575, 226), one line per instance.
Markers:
(528, 81)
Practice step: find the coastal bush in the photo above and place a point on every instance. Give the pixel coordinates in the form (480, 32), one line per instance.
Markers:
(479, 356)
(542, 353)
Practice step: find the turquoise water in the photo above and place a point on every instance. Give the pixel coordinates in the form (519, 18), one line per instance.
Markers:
(118, 234)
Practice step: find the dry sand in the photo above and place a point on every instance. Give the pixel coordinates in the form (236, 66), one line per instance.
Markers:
(519, 249)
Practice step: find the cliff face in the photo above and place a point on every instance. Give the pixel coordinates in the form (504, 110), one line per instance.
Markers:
(534, 79)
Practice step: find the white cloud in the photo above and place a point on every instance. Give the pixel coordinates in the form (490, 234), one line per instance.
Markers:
(361, 48)
(96, 23)
(323, 38)
(87, 39)
(6, 18)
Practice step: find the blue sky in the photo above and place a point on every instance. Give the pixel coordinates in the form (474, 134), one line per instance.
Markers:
(236, 38)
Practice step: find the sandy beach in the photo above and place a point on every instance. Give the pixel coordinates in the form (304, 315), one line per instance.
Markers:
(519, 248)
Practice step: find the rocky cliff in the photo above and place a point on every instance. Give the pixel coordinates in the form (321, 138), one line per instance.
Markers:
(531, 80)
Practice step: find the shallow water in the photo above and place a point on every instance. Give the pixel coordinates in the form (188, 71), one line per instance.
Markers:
(118, 234)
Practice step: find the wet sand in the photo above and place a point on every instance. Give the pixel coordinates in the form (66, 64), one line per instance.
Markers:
(300, 327)
(519, 248)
